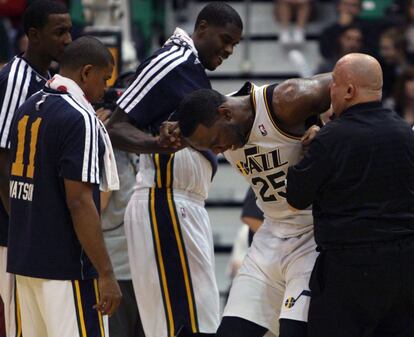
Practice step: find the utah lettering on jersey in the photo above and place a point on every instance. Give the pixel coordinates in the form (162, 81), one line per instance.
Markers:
(259, 162)
(268, 171)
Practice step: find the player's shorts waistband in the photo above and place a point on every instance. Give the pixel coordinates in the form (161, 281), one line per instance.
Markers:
(142, 194)
(284, 229)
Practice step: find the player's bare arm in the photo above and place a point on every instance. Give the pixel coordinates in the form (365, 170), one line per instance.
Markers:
(87, 226)
(105, 198)
(4, 178)
(127, 137)
(297, 99)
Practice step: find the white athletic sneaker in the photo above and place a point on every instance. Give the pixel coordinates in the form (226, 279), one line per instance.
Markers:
(299, 61)
(284, 36)
(298, 35)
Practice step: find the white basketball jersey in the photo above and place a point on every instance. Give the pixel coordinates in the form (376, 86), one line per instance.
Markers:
(264, 162)
(188, 171)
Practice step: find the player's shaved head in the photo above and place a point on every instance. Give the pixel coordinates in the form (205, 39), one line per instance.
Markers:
(357, 78)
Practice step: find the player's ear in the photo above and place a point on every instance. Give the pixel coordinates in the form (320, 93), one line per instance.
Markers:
(85, 72)
(202, 28)
(33, 35)
(225, 112)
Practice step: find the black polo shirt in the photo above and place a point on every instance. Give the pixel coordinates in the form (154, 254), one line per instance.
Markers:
(359, 174)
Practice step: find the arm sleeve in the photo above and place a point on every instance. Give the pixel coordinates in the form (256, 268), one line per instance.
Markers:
(305, 178)
(79, 154)
(14, 89)
(153, 96)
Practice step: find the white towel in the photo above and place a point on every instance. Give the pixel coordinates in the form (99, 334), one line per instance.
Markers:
(109, 175)
(181, 38)
(110, 179)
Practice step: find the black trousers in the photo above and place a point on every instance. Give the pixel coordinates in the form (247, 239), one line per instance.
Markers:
(239, 327)
(363, 292)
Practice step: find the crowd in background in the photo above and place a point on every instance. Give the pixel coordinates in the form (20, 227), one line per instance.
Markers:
(388, 36)
(383, 29)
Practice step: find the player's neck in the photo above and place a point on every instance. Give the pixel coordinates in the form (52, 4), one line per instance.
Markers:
(38, 61)
(248, 114)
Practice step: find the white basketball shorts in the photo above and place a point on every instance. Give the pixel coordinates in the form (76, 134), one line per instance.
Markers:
(8, 296)
(273, 281)
(171, 252)
(51, 308)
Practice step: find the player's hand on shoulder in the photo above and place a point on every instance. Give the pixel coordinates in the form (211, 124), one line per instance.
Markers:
(170, 135)
(103, 114)
(309, 135)
(109, 294)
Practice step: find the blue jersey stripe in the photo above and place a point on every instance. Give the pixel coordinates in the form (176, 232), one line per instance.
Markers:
(7, 99)
(20, 77)
(145, 70)
(152, 67)
(147, 82)
(21, 97)
(151, 74)
(90, 167)
(152, 78)
(93, 154)
(18, 81)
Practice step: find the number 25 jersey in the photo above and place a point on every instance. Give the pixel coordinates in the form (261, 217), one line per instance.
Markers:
(264, 161)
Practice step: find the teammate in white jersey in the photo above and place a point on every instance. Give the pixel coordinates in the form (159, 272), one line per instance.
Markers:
(260, 134)
(170, 243)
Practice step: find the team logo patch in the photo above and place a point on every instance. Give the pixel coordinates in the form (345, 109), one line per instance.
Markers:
(262, 130)
(291, 301)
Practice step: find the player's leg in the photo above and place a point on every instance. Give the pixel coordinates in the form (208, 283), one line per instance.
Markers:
(179, 287)
(185, 332)
(297, 266)
(33, 324)
(143, 261)
(176, 249)
(67, 308)
(292, 328)
(198, 248)
(254, 303)
(239, 327)
(7, 293)
(257, 292)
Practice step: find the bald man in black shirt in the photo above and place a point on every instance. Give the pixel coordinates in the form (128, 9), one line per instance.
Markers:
(359, 175)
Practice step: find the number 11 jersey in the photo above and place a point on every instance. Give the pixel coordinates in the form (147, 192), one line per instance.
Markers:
(52, 138)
